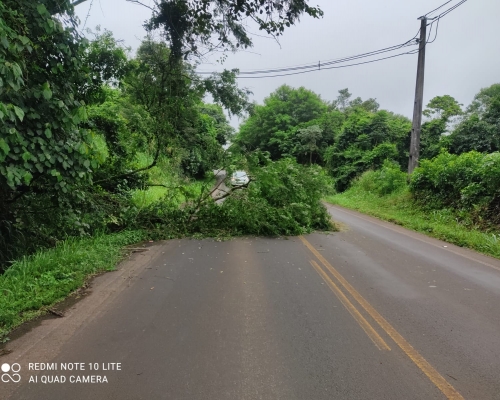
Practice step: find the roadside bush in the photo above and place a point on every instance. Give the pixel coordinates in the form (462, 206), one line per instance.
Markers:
(469, 181)
(387, 180)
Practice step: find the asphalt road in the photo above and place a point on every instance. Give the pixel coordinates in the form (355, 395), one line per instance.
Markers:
(371, 312)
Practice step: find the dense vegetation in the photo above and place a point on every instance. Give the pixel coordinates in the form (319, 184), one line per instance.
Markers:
(94, 140)
(100, 147)
(356, 142)
(385, 194)
(345, 136)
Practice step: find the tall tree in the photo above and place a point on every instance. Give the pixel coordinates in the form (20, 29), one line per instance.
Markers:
(343, 99)
(45, 153)
(480, 128)
(270, 127)
(483, 99)
(365, 141)
(443, 107)
(195, 27)
(309, 137)
(440, 110)
(224, 130)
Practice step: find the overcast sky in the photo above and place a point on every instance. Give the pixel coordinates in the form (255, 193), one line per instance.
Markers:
(464, 58)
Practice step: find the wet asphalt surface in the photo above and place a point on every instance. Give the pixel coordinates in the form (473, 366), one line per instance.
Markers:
(260, 318)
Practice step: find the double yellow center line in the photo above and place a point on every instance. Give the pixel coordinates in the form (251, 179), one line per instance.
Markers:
(434, 376)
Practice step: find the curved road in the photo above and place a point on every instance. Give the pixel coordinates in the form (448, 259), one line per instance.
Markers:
(372, 312)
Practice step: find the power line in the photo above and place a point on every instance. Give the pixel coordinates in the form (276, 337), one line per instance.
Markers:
(441, 6)
(320, 64)
(335, 67)
(449, 10)
(323, 65)
(316, 66)
(435, 36)
(438, 18)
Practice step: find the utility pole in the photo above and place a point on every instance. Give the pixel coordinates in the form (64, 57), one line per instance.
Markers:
(419, 94)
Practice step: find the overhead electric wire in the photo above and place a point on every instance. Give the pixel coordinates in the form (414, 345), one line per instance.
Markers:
(435, 36)
(329, 61)
(316, 66)
(449, 10)
(340, 66)
(438, 18)
(320, 65)
(441, 6)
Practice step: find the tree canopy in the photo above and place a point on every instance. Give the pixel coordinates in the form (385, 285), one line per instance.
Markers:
(346, 136)
(84, 125)
(479, 129)
(272, 126)
(350, 135)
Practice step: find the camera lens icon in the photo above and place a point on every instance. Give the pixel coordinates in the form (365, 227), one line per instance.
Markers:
(15, 368)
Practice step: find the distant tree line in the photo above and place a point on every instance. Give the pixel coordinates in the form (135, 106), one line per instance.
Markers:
(349, 136)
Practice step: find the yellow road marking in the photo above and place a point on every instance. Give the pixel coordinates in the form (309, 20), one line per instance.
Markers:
(372, 333)
(434, 376)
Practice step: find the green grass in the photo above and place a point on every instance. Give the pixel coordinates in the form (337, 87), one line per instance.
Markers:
(144, 198)
(161, 174)
(173, 189)
(33, 284)
(400, 209)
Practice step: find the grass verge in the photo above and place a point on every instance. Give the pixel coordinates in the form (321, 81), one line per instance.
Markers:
(34, 283)
(400, 209)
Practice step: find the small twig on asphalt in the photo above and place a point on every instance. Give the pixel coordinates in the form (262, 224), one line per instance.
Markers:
(136, 249)
(55, 312)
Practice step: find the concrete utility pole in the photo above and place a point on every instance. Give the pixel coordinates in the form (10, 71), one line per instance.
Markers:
(419, 94)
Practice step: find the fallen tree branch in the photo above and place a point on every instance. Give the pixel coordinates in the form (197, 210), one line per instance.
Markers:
(153, 164)
(202, 198)
(227, 194)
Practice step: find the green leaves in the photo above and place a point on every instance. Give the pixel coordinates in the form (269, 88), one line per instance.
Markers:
(272, 127)
(41, 9)
(469, 181)
(27, 177)
(19, 112)
(443, 107)
(4, 146)
(23, 39)
(4, 41)
(47, 93)
(201, 21)
(37, 110)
